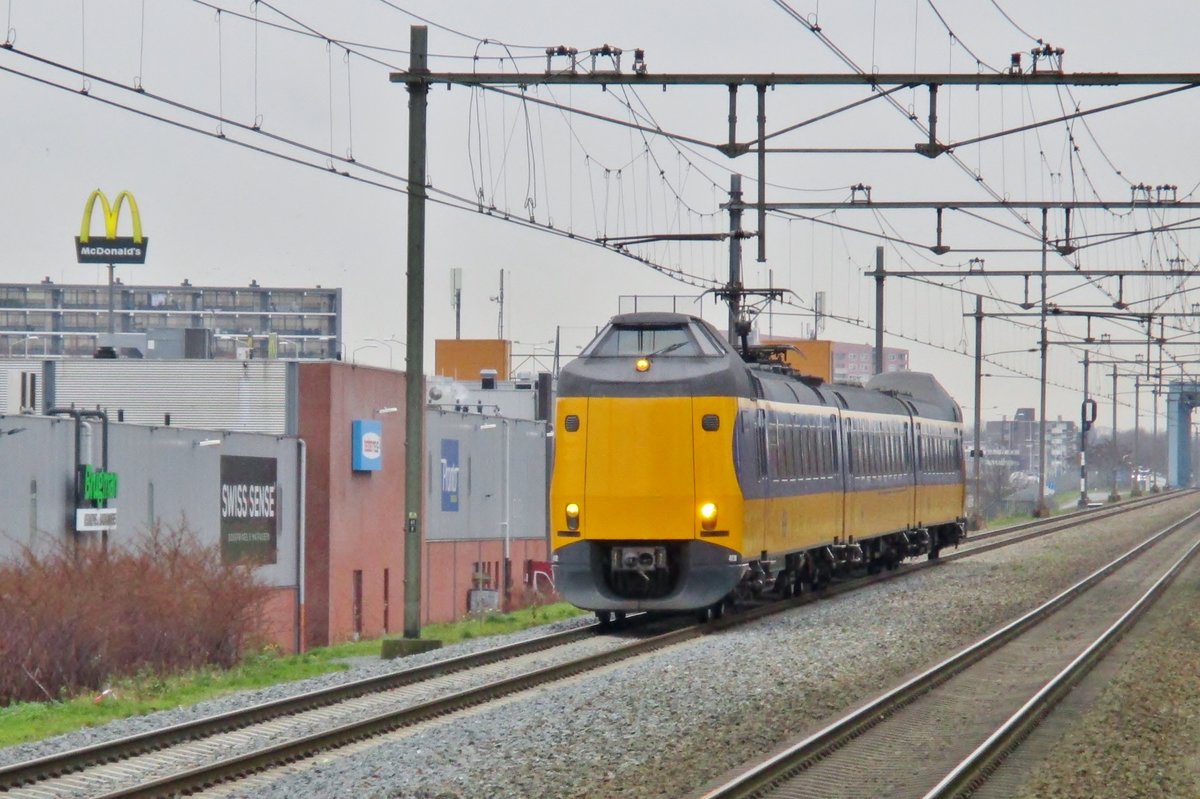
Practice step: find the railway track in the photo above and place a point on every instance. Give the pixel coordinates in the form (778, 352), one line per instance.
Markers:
(962, 716)
(189, 756)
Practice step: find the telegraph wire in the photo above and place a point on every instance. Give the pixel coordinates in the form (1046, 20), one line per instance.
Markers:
(954, 37)
(448, 29)
(450, 200)
(1021, 30)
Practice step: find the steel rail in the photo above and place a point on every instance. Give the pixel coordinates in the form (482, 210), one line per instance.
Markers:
(780, 767)
(239, 765)
(974, 770)
(56, 765)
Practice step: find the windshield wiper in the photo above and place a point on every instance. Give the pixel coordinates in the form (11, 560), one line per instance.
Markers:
(666, 349)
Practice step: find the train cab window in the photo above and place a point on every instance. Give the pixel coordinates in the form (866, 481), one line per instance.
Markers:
(678, 340)
(708, 343)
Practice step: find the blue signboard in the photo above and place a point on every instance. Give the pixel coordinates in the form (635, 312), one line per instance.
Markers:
(367, 440)
(450, 474)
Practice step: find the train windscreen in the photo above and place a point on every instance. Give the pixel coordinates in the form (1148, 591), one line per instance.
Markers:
(659, 341)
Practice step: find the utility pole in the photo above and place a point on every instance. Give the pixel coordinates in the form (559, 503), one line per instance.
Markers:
(735, 255)
(499, 300)
(456, 299)
(1135, 467)
(977, 517)
(879, 310)
(1115, 496)
(1041, 511)
(1087, 415)
(414, 383)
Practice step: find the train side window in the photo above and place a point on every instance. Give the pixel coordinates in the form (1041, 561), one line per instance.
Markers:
(907, 452)
(822, 449)
(760, 424)
(774, 467)
(783, 443)
(851, 466)
(793, 461)
(834, 448)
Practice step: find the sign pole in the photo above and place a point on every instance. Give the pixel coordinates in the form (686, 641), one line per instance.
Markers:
(112, 326)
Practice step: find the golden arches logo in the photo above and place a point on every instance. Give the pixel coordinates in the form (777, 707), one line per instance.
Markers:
(111, 214)
(114, 249)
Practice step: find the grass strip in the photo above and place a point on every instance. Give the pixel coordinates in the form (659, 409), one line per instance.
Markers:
(147, 692)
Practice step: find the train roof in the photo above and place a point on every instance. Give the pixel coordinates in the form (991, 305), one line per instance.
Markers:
(723, 372)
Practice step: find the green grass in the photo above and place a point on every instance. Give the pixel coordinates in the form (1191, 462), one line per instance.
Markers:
(146, 693)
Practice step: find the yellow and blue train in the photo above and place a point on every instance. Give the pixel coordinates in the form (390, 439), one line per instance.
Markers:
(686, 476)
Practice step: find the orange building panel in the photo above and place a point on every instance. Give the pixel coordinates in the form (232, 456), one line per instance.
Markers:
(807, 356)
(464, 358)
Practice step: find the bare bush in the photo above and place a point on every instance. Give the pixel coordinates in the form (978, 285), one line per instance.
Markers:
(75, 617)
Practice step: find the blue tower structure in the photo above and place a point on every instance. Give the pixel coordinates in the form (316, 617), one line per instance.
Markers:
(1182, 396)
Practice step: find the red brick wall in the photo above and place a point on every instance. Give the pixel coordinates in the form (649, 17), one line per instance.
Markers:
(355, 519)
(277, 622)
(449, 568)
(314, 426)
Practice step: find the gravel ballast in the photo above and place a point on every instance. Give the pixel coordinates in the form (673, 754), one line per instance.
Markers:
(663, 725)
(1139, 738)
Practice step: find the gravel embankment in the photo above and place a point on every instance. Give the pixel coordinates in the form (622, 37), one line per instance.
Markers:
(666, 724)
(1139, 738)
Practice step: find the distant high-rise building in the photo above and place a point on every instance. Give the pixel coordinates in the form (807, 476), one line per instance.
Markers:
(48, 319)
(855, 363)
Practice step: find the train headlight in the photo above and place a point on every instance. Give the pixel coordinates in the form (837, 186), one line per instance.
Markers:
(708, 515)
(642, 364)
(572, 516)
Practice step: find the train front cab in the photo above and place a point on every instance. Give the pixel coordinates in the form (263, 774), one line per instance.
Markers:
(645, 508)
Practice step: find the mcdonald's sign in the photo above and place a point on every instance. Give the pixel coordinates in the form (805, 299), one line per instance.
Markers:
(112, 249)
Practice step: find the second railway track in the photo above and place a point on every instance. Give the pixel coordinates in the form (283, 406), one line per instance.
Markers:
(963, 714)
(188, 756)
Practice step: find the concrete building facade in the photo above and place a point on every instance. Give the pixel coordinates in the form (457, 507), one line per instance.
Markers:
(44, 319)
(494, 467)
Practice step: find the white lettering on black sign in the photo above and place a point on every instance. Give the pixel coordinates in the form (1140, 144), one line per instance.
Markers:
(247, 501)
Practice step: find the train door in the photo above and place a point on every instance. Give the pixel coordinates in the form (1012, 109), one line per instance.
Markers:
(757, 488)
(836, 472)
(921, 503)
(910, 464)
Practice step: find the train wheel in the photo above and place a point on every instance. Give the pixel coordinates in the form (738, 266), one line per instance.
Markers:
(608, 618)
(711, 613)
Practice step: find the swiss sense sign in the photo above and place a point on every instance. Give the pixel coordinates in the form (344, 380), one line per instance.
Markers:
(249, 509)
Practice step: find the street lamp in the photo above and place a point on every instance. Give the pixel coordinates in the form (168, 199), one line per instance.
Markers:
(384, 342)
(26, 341)
(354, 352)
(505, 520)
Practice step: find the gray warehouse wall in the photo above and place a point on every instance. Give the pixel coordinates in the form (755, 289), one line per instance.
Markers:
(465, 465)
(249, 396)
(165, 474)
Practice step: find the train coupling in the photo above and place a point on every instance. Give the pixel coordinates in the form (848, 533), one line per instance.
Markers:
(640, 560)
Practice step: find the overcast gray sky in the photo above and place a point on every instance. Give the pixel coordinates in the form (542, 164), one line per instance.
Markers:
(219, 213)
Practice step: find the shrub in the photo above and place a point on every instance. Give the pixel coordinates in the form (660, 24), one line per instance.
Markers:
(75, 617)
